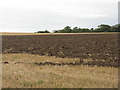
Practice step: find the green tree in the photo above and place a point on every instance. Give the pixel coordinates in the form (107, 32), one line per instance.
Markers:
(55, 31)
(118, 27)
(92, 29)
(67, 29)
(43, 31)
(86, 30)
(115, 28)
(75, 30)
(46, 31)
(103, 28)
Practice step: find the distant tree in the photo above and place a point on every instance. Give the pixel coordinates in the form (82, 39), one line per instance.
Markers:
(118, 27)
(55, 31)
(86, 30)
(103, 28)
(43, 31)
(67, 29)
(75, 30)
(61, 31)
(47, 31)
(92, 29)
(115, 28)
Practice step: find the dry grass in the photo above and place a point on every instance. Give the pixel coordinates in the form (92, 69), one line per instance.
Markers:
(27, 74)
(15, 33)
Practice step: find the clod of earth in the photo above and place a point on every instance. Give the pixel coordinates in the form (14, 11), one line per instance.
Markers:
(82, 46)
(5, 62)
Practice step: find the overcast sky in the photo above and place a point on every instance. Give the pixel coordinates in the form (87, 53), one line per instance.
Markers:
(34, 15)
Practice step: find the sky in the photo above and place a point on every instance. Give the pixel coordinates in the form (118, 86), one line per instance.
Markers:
(40, 15)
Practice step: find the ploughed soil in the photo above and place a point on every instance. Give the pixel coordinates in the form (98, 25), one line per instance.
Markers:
(92, 49)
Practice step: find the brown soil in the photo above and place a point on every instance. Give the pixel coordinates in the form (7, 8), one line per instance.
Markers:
(92, 49)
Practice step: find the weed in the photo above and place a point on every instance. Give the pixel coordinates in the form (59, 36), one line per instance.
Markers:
(40, 82)
(25, 83)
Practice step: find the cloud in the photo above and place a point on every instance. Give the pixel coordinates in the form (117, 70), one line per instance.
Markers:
(32, 15)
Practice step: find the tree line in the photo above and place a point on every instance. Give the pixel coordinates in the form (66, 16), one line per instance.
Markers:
(100, 28)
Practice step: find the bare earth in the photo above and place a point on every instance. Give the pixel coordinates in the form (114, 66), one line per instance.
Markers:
(22, 72)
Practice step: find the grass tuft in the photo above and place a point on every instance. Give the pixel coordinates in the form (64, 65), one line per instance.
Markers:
(27, 84)
(40, 82)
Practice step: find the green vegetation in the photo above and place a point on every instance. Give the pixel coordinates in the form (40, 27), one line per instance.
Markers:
(39, 82)
(46, 31)
(25, 83)
(100, 28)
(30, 84)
